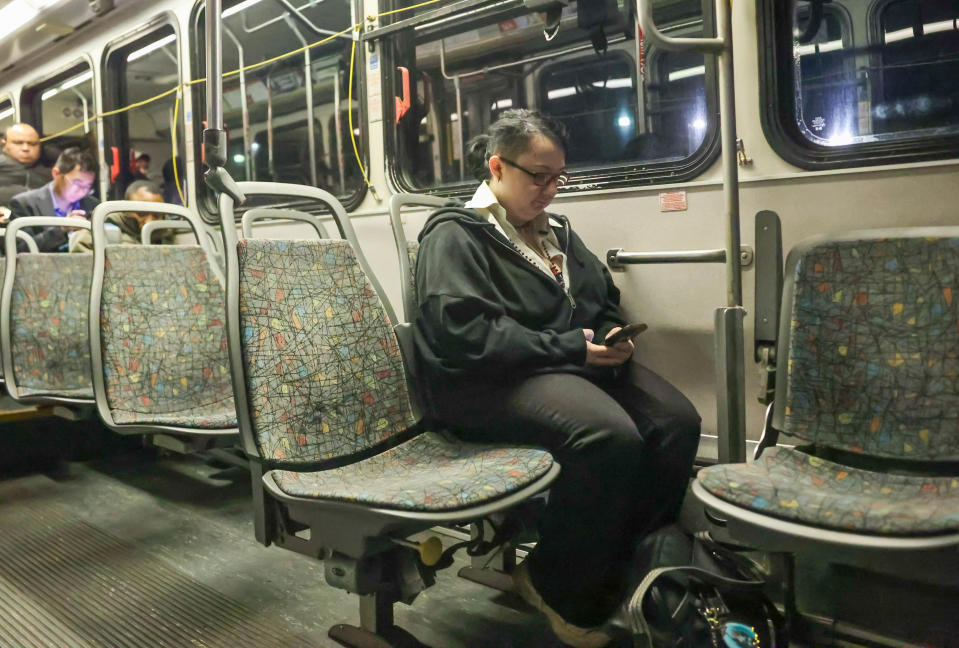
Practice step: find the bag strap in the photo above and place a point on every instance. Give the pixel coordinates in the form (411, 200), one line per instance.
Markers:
(637, 619)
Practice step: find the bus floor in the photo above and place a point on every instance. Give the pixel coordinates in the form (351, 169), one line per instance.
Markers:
(138, 550)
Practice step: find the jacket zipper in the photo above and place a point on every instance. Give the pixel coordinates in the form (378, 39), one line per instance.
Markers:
(567, 292)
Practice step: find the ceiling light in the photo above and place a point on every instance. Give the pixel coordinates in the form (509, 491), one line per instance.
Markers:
(232, 11)
(143, 51)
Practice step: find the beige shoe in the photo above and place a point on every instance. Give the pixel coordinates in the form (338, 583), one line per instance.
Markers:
(568, 633)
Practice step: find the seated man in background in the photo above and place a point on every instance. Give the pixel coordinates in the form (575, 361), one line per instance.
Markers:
(66, 195)
(20, 166)
(129, 224)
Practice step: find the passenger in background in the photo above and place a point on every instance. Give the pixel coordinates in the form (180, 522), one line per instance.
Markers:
(131, 223)
(170, 194)
(141, 167)
(513, 311)
(20, 166)
(66, 195)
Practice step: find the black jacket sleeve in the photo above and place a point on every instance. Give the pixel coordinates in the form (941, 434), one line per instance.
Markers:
(463, 328)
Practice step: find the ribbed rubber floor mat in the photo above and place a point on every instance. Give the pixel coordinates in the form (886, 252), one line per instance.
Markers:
(67, 584)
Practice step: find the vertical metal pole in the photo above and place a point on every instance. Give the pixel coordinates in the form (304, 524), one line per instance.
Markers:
(727, 112)
(241, 61)
(459, 107)
(730, 351)
(308, 88)
(269, 126)
(214, 137)
(338, 126)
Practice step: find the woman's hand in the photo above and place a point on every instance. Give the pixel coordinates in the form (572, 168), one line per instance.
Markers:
(597, 354)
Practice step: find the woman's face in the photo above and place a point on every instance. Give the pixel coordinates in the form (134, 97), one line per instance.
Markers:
(514, 186)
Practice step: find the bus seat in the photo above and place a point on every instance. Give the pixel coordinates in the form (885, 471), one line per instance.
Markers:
(345, 470)
(255, 214)
(43, 320)
(407, 250)
(868, 357)
(158, 332)
(31, 247)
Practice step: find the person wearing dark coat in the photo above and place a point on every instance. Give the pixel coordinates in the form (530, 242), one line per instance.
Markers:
(66, 195)
(513, 311)
(20, 166)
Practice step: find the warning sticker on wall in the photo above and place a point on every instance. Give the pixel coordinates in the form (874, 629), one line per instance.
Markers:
(670, 201)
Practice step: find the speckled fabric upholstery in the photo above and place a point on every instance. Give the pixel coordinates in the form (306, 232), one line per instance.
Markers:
(323, 367)
(793, 485)
(163, 337)
(429, 472)
(48, 322)
(873, 355)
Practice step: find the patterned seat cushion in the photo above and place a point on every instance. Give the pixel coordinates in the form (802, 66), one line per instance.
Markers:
(323, 368)
(50, 338)
(873, 348)
(430, 472)
(163, 335)
(795, 486)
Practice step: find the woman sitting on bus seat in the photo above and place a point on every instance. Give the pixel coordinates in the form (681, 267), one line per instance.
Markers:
(512, 312)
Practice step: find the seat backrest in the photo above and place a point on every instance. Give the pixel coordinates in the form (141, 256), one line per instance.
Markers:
(868, 354)
(31, 247)
(407, 250)
(160, 347)
(44, 319)
(255, 214)
(316, 365)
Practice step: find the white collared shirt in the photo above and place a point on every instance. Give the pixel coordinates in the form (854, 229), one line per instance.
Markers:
(484, 201)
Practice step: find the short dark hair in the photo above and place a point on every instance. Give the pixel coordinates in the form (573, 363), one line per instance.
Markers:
(510, 135)
(146, 185)
(75, 157)
(143, 156)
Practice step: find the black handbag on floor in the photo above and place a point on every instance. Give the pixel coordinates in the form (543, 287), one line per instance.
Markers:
(698, 594)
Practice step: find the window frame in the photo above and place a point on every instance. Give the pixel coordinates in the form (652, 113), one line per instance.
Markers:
(165, 19)
(611, 176)
(205, 205)
(8, 98)
(30, 90)
(778, 111)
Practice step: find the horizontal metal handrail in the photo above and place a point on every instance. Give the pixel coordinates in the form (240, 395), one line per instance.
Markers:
(617, 258)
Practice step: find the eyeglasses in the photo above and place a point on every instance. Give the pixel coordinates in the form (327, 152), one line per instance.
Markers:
(540, 179)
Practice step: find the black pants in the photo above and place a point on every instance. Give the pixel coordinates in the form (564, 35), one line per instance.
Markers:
(626, 452)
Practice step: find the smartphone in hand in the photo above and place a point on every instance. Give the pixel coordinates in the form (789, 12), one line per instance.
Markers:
(628, 332)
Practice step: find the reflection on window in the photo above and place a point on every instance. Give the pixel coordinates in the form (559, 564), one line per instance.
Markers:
(894, 76)
(139, 141)
(459, 83)
(6, 115)
(282, 118)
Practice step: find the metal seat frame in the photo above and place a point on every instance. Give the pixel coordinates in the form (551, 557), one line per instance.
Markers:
(6, 331)
(935, 557)
(365, 548)
(198, 438)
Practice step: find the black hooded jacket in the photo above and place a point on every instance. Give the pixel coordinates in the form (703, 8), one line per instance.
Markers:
(16, 178)
(487, 316)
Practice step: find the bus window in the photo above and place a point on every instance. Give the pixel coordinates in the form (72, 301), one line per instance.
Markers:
(138, 144)
(266, 108)
(61, 107)
(7, 115)
(851, 82)
(634, 115)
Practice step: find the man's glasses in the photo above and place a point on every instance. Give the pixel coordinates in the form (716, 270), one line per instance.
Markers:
(540, 179)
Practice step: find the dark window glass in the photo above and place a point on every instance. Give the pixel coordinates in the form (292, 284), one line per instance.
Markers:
(62, 107)
(138, 142)
(266, 109)
(893, 76)
(6, 115)
(918, 76)
(463, 72)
